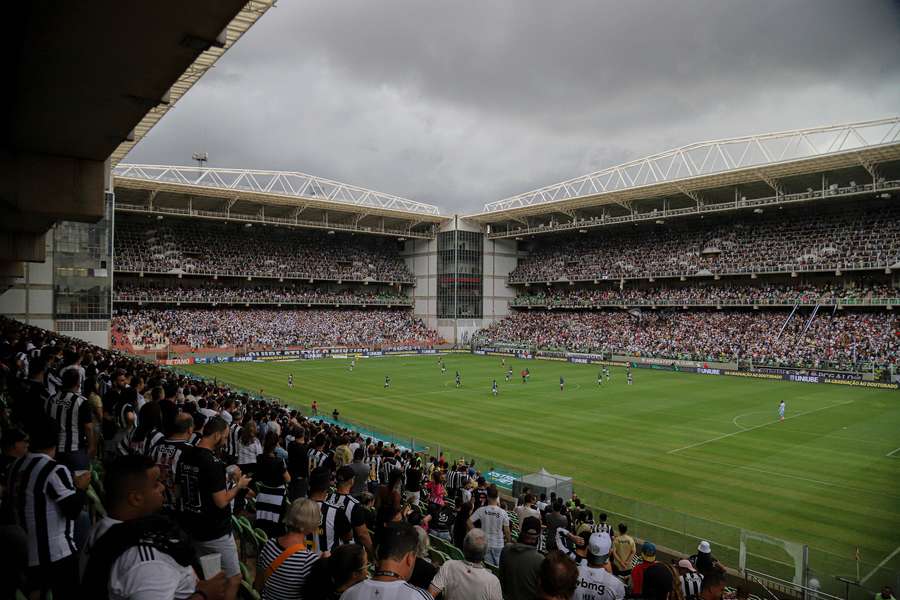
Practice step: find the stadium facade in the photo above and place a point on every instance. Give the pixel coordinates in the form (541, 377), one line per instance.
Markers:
(461, 265)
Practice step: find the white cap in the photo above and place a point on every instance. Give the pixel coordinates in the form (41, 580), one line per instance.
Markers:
(599, 544)
(704, 547)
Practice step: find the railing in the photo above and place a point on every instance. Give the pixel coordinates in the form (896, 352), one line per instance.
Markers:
(839, 302)
(633, 217)
(132, 270)
(125, 298)
(296, 222)
(757, 270)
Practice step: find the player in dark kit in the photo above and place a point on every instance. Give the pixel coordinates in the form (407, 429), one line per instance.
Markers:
(562, 384)
(508, 373)
(458, 380)
(387, 381)
(291, 381)
(494, 389)
(600, 377)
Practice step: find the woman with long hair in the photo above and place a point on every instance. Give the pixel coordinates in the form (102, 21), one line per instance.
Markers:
(147, 434)
(272, 477)
(248, 448)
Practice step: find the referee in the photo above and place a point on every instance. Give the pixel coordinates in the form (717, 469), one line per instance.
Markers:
(46, 499)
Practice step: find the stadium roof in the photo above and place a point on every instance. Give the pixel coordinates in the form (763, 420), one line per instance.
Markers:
(713, 164)
(298, 188)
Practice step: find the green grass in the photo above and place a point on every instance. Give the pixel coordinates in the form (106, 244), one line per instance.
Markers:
(680, 456)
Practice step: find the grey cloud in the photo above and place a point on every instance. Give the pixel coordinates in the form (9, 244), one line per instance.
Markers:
(460, 103)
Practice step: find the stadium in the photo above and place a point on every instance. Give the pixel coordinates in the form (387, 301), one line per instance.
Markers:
(701, 345)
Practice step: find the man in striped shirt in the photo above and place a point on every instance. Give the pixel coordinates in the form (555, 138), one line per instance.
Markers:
(353, 510)
(74, 415)
(317, 454)
(167, 456)
(45, 499)
(335, 528)
(691, 580)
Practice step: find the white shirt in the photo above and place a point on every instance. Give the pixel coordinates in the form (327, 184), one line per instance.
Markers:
(492, 518)
(100, 527)
(144, 573)
(524, 511)
(462, 580)
(385, 590)
(596, 583)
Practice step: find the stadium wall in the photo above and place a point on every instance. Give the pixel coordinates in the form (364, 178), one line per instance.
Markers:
(30, 299)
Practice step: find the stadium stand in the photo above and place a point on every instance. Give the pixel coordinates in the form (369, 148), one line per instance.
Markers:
(840, 240)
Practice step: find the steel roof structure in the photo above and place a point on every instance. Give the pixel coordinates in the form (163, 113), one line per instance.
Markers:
(274, 185)
(237, 27)
(710, 164)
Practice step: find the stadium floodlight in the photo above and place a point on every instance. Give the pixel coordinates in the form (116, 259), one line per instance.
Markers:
(201, 158)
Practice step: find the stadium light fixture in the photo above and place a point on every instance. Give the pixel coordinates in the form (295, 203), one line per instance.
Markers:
(660, 222)
(201, 158)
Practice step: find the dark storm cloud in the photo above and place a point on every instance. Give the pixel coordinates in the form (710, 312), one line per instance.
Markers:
(461, 103)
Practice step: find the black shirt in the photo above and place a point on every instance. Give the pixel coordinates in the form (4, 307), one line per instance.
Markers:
(269, 470)
(298, 461)
(413, 480)
(201, 476)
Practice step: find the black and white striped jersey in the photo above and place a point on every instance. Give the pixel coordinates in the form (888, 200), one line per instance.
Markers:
(457, 479)
(167, 455)
(602, 528)
(316, 458)
(131, 445)
(71, 411)
(690, 585)
(333, 528)
(36, 486)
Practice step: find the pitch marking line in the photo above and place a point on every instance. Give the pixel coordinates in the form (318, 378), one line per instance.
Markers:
(882, 563)
(891, 454)
(733, 433)
(739, 417)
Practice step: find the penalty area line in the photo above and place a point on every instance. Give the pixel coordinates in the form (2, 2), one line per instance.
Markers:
(733, 433)
(893, 453)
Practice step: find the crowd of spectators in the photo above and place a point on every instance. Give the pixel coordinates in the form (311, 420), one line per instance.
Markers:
(126, 480)
(174, 246)
(708, 295)
(756, 244)
(273, 329)
(208, 292)
(716, 335)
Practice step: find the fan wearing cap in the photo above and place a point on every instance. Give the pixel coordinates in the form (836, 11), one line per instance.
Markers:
(595, 579)
(520, 562)
(691, 581)
(703, 561)
(648, 556)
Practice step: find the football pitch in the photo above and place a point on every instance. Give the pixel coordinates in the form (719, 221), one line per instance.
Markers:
(678, 456)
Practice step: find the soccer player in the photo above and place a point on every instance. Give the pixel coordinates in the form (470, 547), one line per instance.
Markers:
(458, 381)
(523, 375)
(606, 373)
(600, 377)
(562, 383)
(629, 377)
(508, 373)
(291, 381)
(352, 363)
(494, 389)
(387, 381)
(315, 408)
(443, 368)
(781, 411)
(502, 362)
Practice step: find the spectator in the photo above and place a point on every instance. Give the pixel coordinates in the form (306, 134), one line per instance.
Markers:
(248, 448)
(131, 553)
(703, 561)
(45, 499)
(395, 559)
(886, 593)
(494, 521)
(353, 510)
(423, 571)
(468, 578)
(527, 508)
(285, 562)
(648, 558)
(624, 550)
(75, 418)
(332, 576)
(690, 580)
(555, 520)
(206, 509)
(595, 579)
(360, 473)
(335, 527)
(660, 583)
(713, 585)
(520, 562)
(167, 456)
(14, 445)
(558, 578)
(272, 478)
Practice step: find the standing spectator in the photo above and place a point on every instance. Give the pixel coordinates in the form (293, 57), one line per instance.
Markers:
(435, 488)
(413, 486)
(133, 554)
(335, 528)
(468, 579)
(395, 559)
(480, 495)
(332, 576)
(45, 500)
(423, 571)
(648, 557)
(494, 521)
(624, 550)
(14, 445)
(527, 508)
(690, 580)
(298, 464)
(272, 477)
(75, 418)
(713, 585)
(388, 502)
(31, 395)
(595, 581)
(147, 434)
(558, 577)
(206, 501)
(703, 561)
(168, 454)
(353, 510)
(660, 581)
(886, 593)
(248, 448)
(360, 473)
(285, 562)
(520, 562)
(554, 520)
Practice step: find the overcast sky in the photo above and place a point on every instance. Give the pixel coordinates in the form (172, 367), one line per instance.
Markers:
(469, 101)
